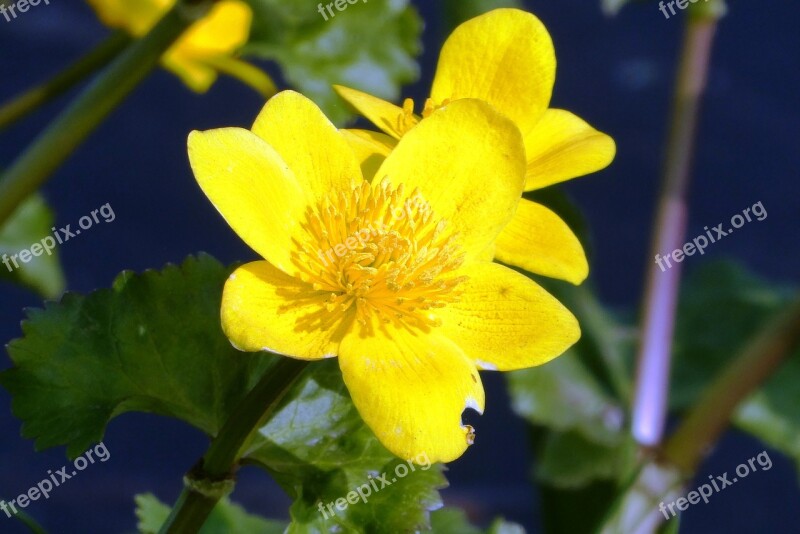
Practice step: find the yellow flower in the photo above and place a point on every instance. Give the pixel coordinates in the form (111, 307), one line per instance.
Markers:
(205, 49)
(391, 275)
(506, 58)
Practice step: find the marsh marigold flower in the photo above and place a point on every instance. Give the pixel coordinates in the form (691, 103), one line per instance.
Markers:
(389, 275)
(206, 48)
(506, 58)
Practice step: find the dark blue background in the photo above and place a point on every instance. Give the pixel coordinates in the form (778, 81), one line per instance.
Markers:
(616, 73)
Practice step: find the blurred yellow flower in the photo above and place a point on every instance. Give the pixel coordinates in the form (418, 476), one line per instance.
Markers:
(390, 275)
(204, 50)
(506, 58)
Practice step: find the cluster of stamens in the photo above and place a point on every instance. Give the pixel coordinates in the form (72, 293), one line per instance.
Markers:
(379, 254)
(407, 120)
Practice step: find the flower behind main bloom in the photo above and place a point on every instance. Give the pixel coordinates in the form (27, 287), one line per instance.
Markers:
(506, 58)
(206, 48)
(409, 302)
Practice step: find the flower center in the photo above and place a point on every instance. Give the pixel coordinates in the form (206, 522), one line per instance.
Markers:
(380, 255)
(407, 120)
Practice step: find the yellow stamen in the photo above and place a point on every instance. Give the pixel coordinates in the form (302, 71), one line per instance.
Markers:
(379, 254)
(407, 120)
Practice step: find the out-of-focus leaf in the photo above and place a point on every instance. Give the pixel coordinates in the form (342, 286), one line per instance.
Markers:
(569, 460)
(612, 7)
(31, 223)
(501, 526)
(370, 46)
(152, 343)
(562, 395)
(772, 414)
(319, 449)
(721, 308)
(226, 518)
(454, 521)
(575, 401)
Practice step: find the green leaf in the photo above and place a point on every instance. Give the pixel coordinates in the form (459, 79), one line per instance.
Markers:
(29, 225)
(722, 306)
(152, 343)
(226, 518)
(564, 396)
(370, 46)
(319, 449)
(569, 460)
(454, 521)
(501, 526)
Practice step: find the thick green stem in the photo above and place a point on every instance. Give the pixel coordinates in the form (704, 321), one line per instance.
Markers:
(212, 478)
(661, 293)
(711, 414)
(26, 102)
(92, 106)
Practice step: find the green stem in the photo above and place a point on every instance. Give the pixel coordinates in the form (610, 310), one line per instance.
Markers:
(99, 57)
(661, 293)
(711, 414)
(213, 476)
(92, 106)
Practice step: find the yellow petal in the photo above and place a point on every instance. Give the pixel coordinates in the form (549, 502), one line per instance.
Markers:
(253, 189)
(563, 146)
(224, 30)
(136, 17)
(196, 74)
(265, 309)
(468, 163)
(317, 153)
(538, 241)
(505, 321)
(504, 57)
(370, 149)
(381, 113)
(411, 391)
(248, 74)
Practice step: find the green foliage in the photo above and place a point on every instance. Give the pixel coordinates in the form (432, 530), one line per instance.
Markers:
(318, 448)
(578, 403)
(454, 521)
(226, 518)
(723, 306)
(152, 343)
(577, 400)
(31, 223)
(370, 46)
(570, 460)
